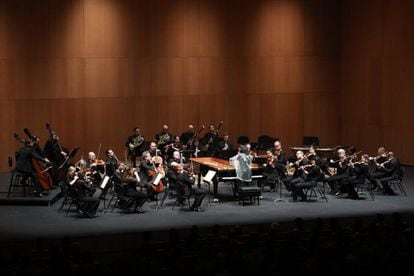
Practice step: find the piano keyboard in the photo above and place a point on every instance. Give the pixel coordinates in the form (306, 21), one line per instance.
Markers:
(230, 178)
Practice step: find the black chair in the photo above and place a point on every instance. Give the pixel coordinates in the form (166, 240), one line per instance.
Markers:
(366, 189)
(16, 182)
(398, 183)
(187, 199)
(317, 191)
(72, 194)
(123, 201)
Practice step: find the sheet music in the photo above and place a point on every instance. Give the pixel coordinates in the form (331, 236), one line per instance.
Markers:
(104, 182)
(209, 176)
(157, 179)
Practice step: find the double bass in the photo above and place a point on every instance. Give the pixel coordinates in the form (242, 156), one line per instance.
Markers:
(45, 180)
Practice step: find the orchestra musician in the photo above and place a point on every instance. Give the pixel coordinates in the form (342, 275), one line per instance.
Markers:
(130, 180)
(54, 151)
(175, 158)
(134, 145)
(95, 167)
(209, 138)
(342, 172)
(153, 150)
(187, 135)
(280, 154)
(312, 173)
(359, 173)
(163, 138)
(392, 171)
(80, 186)
(270, 173)
(378, 171)
(148, 168)
(225, 144)
(298, 174)
(183, 181)
(176, 145)
(24, 166)
(111, 162)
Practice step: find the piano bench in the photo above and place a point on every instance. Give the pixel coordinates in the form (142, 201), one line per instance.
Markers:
(250, 193)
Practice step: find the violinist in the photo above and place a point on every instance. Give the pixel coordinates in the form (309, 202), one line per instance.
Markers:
(134, 145)
(177, 158)
(111, 162)
(80, 186)
(270, 173)
(95, 167)
(183, 181)
(392, 171)
(342, 172)
(130, 180)
(280, 154)
(24, 166)
(298, 174)
(359, 173)
(378, 171)
(312, 173)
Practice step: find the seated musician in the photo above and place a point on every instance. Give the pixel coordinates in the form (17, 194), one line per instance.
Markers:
(95, 167)
(195, 148)
(242, 163)
(225, 144)
(378, 171)
(359, 173)
(148, 168)
(175, 158)
(129, 178)
(111, 162)
(134, 145)
(153, 150)
(25, 167)
(280, 154)
(270, 173)
(298, 174)
(187, 135)
(183, 181)
(342, 172)
(80, 187)
(176, 145)
(392, 171)
(312, 173)
(163, 138)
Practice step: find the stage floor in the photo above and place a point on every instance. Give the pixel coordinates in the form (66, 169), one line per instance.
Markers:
(31, 222)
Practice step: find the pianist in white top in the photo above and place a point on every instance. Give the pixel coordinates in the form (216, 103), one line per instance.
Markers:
(242, 164)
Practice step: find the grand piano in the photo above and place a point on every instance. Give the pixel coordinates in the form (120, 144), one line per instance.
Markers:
(224, 171)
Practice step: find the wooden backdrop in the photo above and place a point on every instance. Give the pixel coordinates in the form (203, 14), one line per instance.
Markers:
(96, 68)
(377, 71)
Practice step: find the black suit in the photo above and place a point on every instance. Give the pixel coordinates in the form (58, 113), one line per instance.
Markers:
(183, 185)
(360, 173)
(341, 177)
(137, 151)
(222, 145)
(25, 167)
(52, 151)
(392, 171)
(310, 180)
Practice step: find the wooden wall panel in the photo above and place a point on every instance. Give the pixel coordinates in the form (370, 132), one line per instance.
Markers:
(8, 145)
(97, 68)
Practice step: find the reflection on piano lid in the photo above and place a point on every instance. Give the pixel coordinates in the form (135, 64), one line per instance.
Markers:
(295, 149)
(230, 178)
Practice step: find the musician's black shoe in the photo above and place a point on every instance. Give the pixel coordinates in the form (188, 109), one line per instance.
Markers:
(45, 193)
(196, 209)
(139, 210)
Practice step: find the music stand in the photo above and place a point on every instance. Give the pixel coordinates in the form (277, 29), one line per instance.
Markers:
(208, 178)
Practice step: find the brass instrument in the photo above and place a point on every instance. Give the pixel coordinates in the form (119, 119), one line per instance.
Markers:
(163, 138)
(136, 142)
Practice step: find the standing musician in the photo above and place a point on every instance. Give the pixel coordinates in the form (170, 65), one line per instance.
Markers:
(188, 135)
(79, 186)
(134, 145)
(24, 166)
(54, 151)
(270, 173)
(312, 173)
(129, 179)
(183, 182)
(392, 171)
(280, 154)
(299, 173)
(209, 138)
(359, 173)
(163, 138)
(342, 172)
(111, 162)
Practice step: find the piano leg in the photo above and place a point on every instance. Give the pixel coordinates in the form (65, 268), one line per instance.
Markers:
(215, 187)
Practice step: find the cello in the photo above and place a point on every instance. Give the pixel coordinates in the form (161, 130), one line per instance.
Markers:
(45, 180)
(155, 176)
